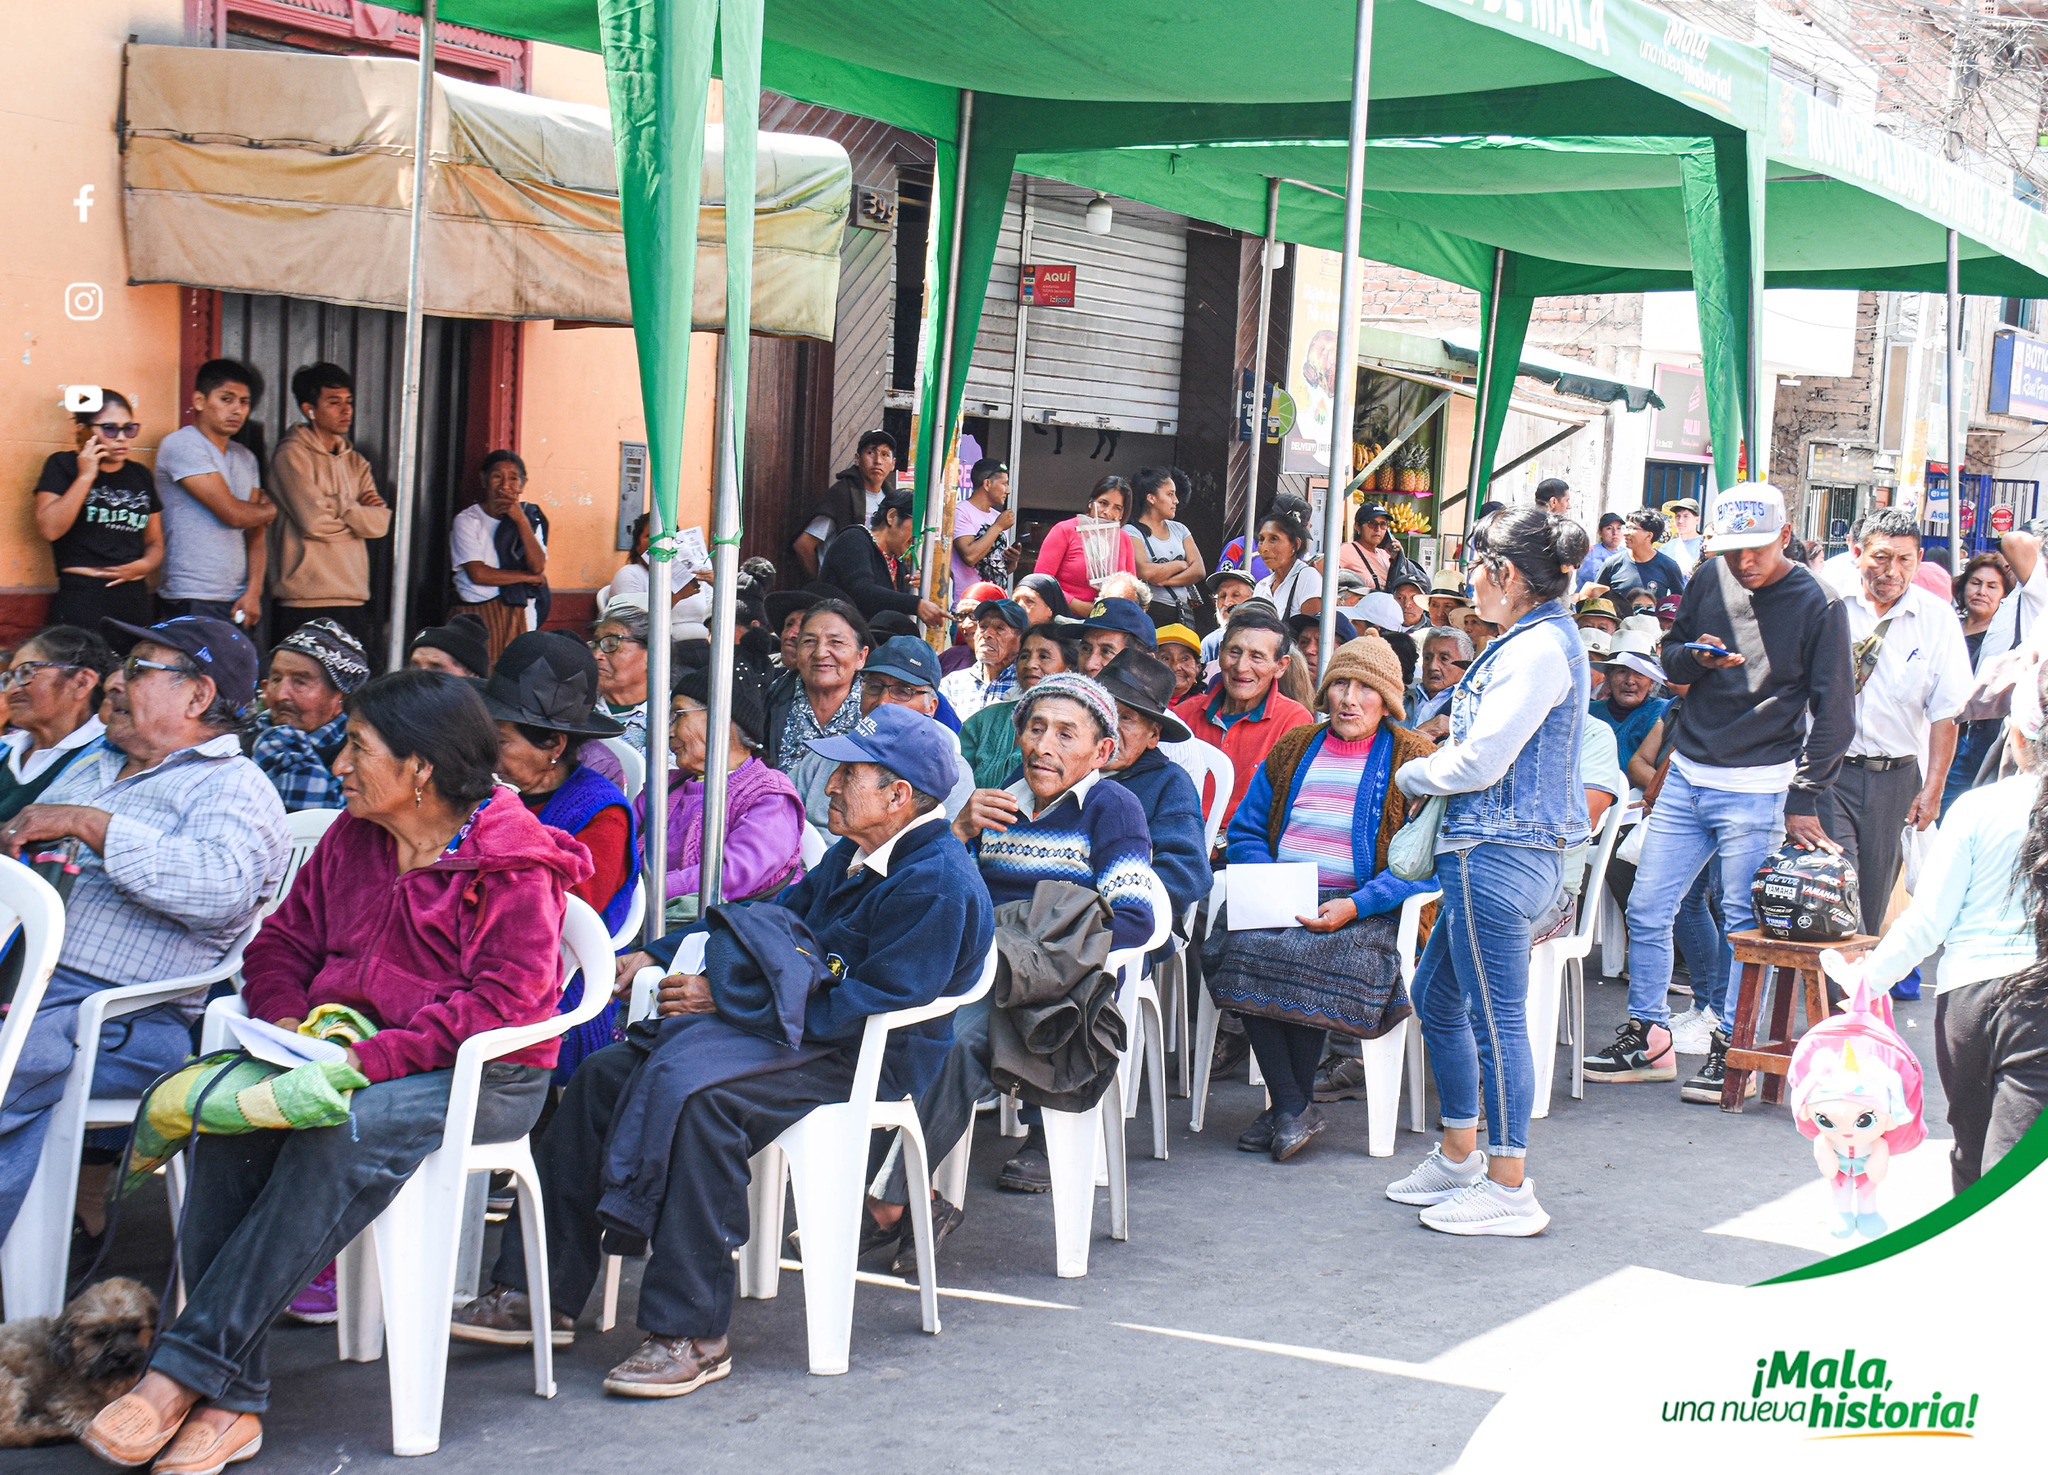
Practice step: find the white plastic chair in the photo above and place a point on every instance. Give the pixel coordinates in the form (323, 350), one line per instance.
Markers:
(1200, 761)
(824, 1157)
(813, 846)
(34, 904)
(1138, 1001)
(1383, 1056)
(305, 829)
(398, 1276)
(1549, 962)
(632, 766)
(35, 1260)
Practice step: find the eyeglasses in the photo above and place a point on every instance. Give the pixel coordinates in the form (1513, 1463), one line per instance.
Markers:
(21, 674)
(114, 430)
(681, 712)
(134, 666)
(610, 645)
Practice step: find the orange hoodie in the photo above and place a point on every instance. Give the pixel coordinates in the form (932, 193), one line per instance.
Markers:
(317, 550)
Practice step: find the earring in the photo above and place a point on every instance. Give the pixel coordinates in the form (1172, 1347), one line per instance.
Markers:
(418, 794)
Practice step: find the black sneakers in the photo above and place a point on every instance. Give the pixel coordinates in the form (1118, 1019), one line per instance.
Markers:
(1641, 1052)
(1705, 1087)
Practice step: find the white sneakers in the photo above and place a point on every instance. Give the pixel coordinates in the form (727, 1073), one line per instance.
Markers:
(1438, 1178)
(1692, 1033)
(1488, 1208)
(1458, 1198)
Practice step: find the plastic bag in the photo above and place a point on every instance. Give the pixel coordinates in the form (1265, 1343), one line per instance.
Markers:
(1915, 845)
(1412, 853)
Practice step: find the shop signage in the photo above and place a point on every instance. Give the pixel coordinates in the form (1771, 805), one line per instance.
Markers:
(1312, 362)
(2001, 518)
(1279, 409)
(1046, 286)
(1678, 432)
(2019, 375)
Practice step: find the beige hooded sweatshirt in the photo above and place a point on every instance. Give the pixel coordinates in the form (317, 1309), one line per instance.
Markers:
(317, 550)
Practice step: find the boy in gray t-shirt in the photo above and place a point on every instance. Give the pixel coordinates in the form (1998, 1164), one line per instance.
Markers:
(215, 511)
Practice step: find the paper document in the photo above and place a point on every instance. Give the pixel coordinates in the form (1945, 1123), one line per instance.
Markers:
(281, 1047)
(1270, 895)
(691, 550)
(689, 959)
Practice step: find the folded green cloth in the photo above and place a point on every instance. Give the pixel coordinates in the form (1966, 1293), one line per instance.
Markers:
(228, 1093)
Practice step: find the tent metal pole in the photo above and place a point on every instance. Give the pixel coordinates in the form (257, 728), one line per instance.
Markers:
(1957, 436)
(1345, 409)
(1258, 413)
(935, 572)
(405, 493)
(1020, 351)
(725, 569)
(660, 622)
(1476, 482)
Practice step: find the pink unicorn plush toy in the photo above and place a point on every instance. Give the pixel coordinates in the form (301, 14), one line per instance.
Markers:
(1855, 1088)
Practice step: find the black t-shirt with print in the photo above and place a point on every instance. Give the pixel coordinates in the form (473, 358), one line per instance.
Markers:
(111, 524)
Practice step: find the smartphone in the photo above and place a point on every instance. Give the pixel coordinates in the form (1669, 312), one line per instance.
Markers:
(1705, 649)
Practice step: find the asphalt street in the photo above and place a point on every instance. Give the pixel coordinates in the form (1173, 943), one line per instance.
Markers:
(1261, 1317)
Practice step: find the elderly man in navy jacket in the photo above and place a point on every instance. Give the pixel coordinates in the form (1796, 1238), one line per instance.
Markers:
(902, 917)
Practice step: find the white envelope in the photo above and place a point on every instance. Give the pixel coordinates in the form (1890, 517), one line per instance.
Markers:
(1269, 895)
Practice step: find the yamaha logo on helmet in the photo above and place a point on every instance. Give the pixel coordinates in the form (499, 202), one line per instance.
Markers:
(1807, 895)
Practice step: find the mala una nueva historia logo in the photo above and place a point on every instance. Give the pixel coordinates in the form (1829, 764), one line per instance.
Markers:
(1834, 1398)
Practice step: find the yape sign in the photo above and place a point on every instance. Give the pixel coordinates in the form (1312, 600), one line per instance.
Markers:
(2019, 376)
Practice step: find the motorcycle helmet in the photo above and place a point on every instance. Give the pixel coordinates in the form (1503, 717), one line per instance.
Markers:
(1806, 896)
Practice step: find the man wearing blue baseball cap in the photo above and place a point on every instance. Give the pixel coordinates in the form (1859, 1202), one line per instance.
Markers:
(1112, 627)
(898, 917)
(176, 840)
(903, 672)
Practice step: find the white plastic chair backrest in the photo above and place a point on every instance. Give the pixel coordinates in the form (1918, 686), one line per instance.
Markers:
(632, 766)
(1604, 840)
(1199, 761)
(304, 828)
(1410, 928)
(814, 845)
(636, 913)
(1162, 926)
(34, 904)
(874, 1040)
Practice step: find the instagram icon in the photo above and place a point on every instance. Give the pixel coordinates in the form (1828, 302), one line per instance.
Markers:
(83, 301)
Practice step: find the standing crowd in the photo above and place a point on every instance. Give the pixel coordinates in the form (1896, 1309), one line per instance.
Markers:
(1066, 778)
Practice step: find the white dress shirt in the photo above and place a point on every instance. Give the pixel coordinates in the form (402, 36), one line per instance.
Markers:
(1922, 674)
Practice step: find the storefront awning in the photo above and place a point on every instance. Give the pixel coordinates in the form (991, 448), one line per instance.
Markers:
(251, 171)
(1568, 376)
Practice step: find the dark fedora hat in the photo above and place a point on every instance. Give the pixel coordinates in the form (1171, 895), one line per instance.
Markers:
(1144, 683)
(548, 679)
(785, 602)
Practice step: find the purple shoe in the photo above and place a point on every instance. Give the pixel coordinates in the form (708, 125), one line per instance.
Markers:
(316, 1305)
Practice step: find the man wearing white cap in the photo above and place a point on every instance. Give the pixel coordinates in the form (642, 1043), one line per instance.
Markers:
(1763, 648)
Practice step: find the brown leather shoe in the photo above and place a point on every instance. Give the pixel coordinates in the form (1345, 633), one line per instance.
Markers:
(129, 1431)
(201, 1449)
(668, 1367)
(504, 1318)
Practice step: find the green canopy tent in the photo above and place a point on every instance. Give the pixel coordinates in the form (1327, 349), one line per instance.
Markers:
(1032, 76)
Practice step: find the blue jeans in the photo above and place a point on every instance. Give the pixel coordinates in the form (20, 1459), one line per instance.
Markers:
(1701, 942)
(1472, 985)
(134, 1050)
(1688, 827)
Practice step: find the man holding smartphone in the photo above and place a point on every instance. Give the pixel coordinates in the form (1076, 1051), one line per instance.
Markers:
(1769, 714)
(215, 512)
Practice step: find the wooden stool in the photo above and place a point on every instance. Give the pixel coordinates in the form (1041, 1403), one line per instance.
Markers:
(1760, 955)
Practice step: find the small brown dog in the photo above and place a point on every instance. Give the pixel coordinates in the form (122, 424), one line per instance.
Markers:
(57, 1372)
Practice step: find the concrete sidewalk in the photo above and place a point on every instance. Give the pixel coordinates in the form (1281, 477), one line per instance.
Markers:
(1262, 1317)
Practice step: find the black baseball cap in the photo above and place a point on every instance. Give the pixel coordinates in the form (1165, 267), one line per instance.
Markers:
(222, 653)
(906, 658)
(1008, 611)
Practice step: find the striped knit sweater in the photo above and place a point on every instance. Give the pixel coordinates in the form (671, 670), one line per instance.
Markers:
(1319, 824)
(1094, 835)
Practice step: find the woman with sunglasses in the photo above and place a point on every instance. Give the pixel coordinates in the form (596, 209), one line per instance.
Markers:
(53, 693)
(99, 509)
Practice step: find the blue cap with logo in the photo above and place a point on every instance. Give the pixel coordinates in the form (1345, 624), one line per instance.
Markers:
(218, 650)
(1125, 616)
(909, 744)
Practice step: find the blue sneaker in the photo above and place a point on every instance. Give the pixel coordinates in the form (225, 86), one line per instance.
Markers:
(1907, 987)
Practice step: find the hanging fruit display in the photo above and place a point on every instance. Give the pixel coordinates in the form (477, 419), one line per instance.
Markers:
(1408, 520)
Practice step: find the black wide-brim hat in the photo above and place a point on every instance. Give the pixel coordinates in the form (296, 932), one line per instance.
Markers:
(1144, 683)
(548, 679)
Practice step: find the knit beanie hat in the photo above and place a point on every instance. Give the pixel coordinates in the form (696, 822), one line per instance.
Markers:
(339, 654)
(1371, 660)
(463, 639)
(1076, 688)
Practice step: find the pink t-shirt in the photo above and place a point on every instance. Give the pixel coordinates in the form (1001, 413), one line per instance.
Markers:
(1062, 556)
(969, 521)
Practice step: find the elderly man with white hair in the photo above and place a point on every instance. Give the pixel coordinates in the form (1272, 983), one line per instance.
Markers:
(1446, 652)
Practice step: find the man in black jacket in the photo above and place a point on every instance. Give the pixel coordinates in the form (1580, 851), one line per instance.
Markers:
(872, 564)
(1770, 711)
(850, 501)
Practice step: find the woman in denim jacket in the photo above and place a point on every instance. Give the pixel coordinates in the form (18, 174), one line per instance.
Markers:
(1511, 771)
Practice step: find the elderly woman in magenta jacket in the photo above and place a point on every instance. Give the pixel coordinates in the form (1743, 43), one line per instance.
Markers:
(1324, 794)
(764, 814)
(434, 907)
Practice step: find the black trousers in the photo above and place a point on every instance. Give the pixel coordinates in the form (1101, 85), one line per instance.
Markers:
(1864, 813)
(1287, 1057)
(1993, 1059)
(688, 1287)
